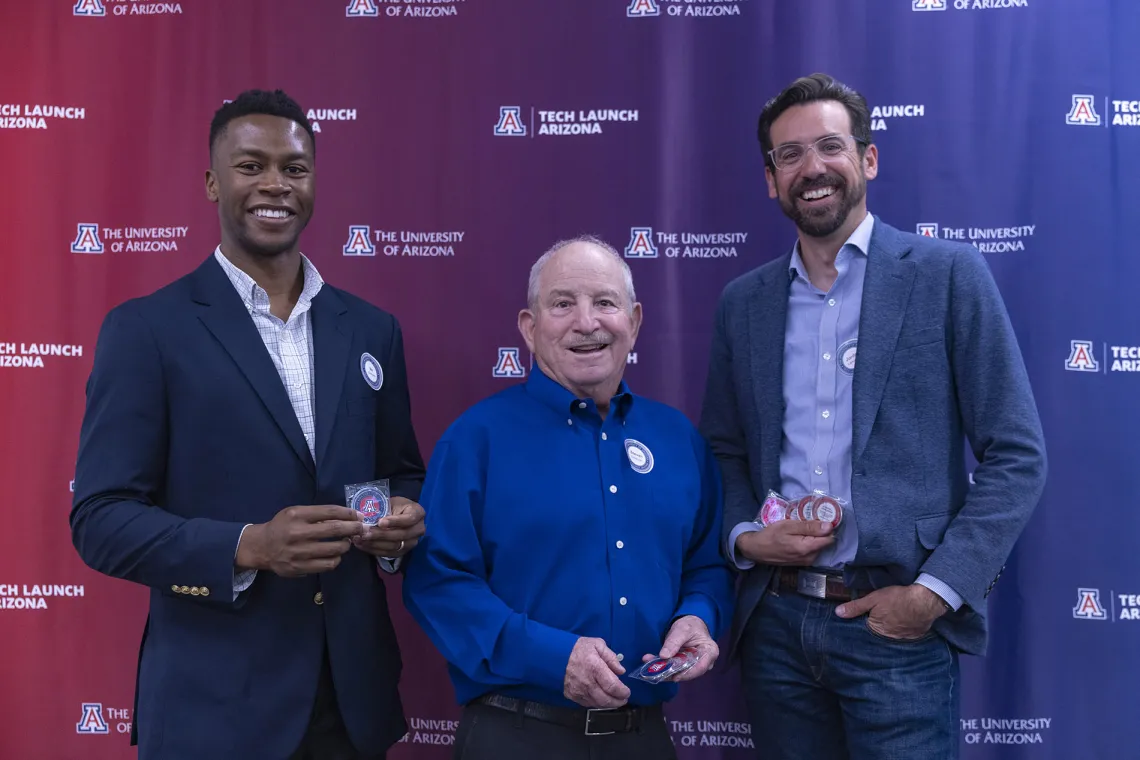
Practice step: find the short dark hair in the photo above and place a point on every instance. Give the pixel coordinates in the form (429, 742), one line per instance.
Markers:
(808, 90)
(275, 103)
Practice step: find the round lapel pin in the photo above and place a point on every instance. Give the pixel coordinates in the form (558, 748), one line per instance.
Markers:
(639, 455)
(370, 369)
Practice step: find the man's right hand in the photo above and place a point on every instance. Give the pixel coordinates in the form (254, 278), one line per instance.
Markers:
(299, 540)
(787, 542)
(592, 675)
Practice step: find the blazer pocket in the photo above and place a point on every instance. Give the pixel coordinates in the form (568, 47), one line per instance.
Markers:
(931, 529)
(923, 337)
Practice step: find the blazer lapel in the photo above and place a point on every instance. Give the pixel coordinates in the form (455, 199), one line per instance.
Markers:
(886, 290)
(225, 316)
(332, 339)
(767, 317)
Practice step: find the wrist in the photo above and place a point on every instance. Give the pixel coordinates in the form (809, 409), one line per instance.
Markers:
(747, 544)
(938, 606)
(249, 552)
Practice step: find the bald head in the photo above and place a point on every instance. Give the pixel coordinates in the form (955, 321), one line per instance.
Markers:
(582, 247)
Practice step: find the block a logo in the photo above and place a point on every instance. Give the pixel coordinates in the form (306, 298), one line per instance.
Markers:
(1081, 357)
(362, 9)
(358, 243)
(92, 721)
(928, 5)
(641, 244)
(510, 122)
(928, 230)
(89, 8)
(87, 239)
(1088, 605)
(508, 364)
(1083, 112)
(642, 9)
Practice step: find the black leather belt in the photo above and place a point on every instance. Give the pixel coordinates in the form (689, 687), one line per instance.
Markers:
(591, 722)
(827, 586)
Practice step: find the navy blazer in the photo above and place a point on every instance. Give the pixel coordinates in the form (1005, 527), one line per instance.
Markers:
(938, 366)
(188, 436)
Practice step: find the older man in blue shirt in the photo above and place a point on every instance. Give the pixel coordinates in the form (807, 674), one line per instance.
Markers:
(572, 534)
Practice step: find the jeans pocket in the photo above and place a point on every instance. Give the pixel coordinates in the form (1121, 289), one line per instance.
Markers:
(904, 642)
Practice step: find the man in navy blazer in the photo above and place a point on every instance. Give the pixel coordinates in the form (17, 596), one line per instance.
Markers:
(226, 414)
(849, 636)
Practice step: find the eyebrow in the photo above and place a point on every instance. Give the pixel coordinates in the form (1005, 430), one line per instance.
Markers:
(256, 153)
(571, 294)
(813, 140)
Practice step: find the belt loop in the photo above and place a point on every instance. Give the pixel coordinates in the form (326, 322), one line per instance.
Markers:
(520, 716)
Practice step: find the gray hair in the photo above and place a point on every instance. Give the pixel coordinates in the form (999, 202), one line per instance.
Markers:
(536, 270)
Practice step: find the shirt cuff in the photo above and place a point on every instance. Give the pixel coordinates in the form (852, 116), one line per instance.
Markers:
(742, 563)
(701, 607)
(389, 564)
(947, 594)
(244, 578)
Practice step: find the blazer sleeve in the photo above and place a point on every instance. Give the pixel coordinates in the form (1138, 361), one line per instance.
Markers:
(398, 455)
(1002, 425)
(117, 525)
(720, 425)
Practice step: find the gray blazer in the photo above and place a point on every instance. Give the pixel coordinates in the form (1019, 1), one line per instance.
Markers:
(938, 365)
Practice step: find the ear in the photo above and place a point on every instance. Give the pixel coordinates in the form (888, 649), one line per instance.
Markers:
(871, 162)
(211, 186)
(635, 318)
(526, 328)
(768, 175)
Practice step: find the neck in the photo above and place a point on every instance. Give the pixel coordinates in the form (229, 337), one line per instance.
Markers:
(819, 253)
(280, 276)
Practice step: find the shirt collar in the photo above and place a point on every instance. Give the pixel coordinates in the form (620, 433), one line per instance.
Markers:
(860, 240)
(253, 293)
(558, 398)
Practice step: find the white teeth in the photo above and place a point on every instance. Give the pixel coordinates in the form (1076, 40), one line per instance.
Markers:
(271, 213)
(814, 195)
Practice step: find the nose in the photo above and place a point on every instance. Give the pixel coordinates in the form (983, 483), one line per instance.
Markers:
(585, 321)
(812, 165)
(273, 182)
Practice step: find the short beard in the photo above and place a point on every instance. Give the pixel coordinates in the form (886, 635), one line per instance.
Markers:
(823, 224)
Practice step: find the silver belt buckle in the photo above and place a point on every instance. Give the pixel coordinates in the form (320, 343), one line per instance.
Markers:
(811, 584)
(589, 714)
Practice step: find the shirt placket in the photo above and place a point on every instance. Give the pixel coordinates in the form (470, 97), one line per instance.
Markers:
(611, 460)
(827, 363)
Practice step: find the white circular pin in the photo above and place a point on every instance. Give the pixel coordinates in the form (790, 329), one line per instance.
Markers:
(639, 455)
(370, 368)
(847, 356)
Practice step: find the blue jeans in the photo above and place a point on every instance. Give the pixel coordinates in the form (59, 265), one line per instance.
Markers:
(819, 687)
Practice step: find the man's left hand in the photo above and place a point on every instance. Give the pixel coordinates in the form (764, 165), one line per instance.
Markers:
(897, 612)
(689, 631)
(395, 535)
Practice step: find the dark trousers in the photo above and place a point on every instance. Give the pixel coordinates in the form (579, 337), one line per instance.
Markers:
(819, 687)
(326, 738)
(492, 733)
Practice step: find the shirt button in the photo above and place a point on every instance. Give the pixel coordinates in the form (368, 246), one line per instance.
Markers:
(622, 601)
(604, 437)
(831, 302)
(581, 404)
(613, 489)
(569, 422)
(620, 544)
(827, 357)
(826, 414)
(818, 470)
(620, 657)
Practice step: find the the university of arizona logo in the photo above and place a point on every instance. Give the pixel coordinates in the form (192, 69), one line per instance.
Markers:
(1081, 357)
(642, 9)
(928, 5)
(92, 721)
(358, 243)
(928, 230)
(510, 122)
(1083, 112)
(508, 364)
(1088, 605)
(641, 244)
(362, 9)
(87, 239)
(89, 8)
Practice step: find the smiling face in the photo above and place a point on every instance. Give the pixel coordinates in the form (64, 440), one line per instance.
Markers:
(262, 176)
(582, 326)
(821, 193)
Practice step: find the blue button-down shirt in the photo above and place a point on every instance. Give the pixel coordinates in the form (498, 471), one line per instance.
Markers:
(820, 347)
(541, 528)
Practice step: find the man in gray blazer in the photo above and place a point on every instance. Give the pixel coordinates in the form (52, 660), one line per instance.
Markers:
(849, 636)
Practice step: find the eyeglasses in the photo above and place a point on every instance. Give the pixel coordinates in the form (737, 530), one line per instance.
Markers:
(829, 149)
